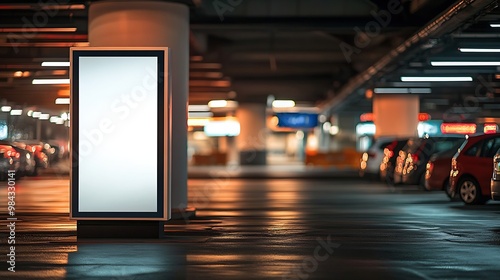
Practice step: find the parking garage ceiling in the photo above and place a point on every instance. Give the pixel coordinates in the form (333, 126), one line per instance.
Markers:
(324, 53)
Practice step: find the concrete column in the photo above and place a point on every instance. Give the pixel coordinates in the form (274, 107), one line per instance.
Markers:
(396, 115)
(153, 24)
(253, 133)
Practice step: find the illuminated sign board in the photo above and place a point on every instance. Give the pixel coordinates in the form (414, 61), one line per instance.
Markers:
(227, 127)
(120, 134)
(297, 120)
(365, 129)
(369, 117)
(429, 128)
(490, 128)
(4, 130)
(458, 128)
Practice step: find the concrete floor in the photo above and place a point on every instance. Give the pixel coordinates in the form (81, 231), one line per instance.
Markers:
(266, 229)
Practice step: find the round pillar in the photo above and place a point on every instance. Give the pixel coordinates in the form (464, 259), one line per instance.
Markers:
(396, 115)
(253, 133)
(153, 24)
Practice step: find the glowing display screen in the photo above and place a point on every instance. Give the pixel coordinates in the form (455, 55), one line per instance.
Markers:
(118, 134)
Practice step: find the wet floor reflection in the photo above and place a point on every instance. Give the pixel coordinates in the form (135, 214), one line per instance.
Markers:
(40, 204)
(265, 229)
(126, 261)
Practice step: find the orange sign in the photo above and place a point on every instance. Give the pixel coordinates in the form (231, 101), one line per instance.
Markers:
(369, 117)
(458, 128)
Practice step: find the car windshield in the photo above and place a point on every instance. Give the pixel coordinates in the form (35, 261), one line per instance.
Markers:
(448, 144)
(447, 153)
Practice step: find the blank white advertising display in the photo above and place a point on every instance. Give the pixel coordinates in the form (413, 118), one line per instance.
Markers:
(120, 135)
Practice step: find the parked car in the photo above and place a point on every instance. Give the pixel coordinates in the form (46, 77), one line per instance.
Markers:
(401, 157)
(25, 159)
(41, 158)
(413, 159)
(437, 172)
(370, 160)
(389, 161)
(495, 178)
(27, 162)
(471, 168)
(7, 162)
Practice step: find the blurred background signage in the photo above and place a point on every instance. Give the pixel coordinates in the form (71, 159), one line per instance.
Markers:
(297, 120)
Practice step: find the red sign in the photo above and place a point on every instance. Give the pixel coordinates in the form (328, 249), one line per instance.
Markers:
(458, 128)
(366, 117)
(490, 128)
(423, 117)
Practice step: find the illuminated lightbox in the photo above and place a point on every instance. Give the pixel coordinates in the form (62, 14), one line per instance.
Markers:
(228, 127)
(120, 134)
(297, 120)
(458, 128)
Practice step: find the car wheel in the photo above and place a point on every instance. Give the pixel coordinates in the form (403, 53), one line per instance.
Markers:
(470, 192)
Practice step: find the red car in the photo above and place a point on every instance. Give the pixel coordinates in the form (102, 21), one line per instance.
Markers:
(471, 168)
(437, 172)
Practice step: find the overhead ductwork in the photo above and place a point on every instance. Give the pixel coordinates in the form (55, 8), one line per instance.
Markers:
(450, 20)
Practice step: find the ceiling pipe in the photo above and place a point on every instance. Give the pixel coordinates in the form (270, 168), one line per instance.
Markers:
(42, 6)
(445, 23)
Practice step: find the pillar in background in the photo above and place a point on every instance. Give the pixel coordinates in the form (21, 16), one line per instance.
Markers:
(153, 24)
(396, 115)
(253, 133)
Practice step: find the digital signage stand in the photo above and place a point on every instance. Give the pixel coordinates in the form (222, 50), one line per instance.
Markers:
(120, 141)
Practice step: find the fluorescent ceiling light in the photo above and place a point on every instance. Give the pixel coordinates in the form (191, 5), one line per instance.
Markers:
(495, 25)
(50, 81)
(36, 115)
(16, 112)
(64, 116)
(62, 101)
(212, 75)
(474, 50)
(217, 103)
(44, 116)
(60, 121)
(436, 79)
(198, 122)
(53, 119)
(55, 63)
(465, 63)
(402, 90)
(283, 103)
(198, 108)
(200, 114)
(6, 108)
(228, 127)
(222, 104)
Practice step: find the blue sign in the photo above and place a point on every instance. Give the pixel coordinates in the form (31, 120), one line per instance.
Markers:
(297, 120)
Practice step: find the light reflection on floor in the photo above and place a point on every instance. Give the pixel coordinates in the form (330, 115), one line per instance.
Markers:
(261, 229)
